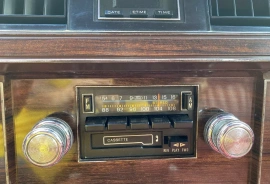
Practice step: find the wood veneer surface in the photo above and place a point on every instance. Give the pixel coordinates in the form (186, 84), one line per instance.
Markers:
(265, 176)
(34, 99)
(2, 153)
(143, 45)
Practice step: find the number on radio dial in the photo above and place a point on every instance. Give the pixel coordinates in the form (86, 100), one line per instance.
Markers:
(120, 109)
(164, 97)
(145, 109)
(105, 110)
(172, 108)
(158, 108)
(132, 109)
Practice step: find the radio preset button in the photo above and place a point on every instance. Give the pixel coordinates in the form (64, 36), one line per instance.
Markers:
(163, 14)
(181, 121)
(95, 124)
(160, 122)
(138, 14)
(117, 123)
(139, 122)
(113, 13)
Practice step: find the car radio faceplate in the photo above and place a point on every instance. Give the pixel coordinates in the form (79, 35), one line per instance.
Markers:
(134, 122)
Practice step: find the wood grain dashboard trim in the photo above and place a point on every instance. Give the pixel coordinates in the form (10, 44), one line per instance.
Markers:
(119, 171)
(70, 46)
(3, 156)
(8, 131)
(265, 144)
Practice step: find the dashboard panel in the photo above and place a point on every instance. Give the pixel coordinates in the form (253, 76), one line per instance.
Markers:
(134, 91)
(31, 109)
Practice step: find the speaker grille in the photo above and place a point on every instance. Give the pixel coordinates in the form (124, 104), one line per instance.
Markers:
(33, 11)
(240, 12)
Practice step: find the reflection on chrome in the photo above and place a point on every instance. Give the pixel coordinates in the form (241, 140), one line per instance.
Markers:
(228, 135)
(48, 142)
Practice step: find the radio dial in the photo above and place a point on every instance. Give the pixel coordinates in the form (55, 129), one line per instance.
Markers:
(48, 142)
(228, 135)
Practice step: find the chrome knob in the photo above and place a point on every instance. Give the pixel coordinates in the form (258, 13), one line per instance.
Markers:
(48, 141)
(228, 135)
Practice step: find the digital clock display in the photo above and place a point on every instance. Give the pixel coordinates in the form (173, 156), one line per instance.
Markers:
(136, 4)
(137, 103)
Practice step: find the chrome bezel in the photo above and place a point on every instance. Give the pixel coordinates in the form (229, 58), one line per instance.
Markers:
(48, 132)
(212, 123)
(225, 130)
(62, 126)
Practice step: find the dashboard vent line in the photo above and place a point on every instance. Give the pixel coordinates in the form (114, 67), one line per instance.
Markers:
(240, 12)
(33, 11)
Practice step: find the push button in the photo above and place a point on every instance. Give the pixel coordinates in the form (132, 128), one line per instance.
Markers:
(181, 121)
(113, 13)
(138, 14)
(160, 122)
(178, 142)
(117, 123)
(139, 122)
(88, 103)
(163, 14)
(95, 124)
(187, 101)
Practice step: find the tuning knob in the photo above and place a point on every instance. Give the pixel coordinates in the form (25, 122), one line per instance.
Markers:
(48, 141)
(228, 135)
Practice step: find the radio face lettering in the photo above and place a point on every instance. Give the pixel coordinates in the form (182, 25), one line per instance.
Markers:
(137, 103)
(144, 139)
(126, 140)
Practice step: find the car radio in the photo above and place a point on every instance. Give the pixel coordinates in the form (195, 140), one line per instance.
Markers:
(132, 122)
(139, 9)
